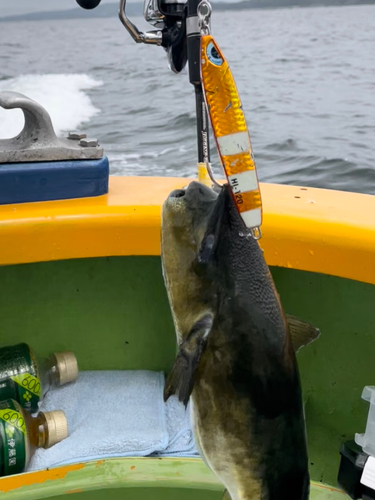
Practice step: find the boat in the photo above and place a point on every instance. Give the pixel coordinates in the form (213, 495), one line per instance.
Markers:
(82, 271)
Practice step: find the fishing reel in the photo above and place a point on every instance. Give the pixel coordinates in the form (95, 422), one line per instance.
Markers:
(170, 19)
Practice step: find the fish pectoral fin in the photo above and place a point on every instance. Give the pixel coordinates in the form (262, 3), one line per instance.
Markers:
(180, 381)
(302, 333)
(226, 495)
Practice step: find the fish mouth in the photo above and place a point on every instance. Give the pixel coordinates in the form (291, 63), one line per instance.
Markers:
(194, 188)
(195, 198)
(177, 193)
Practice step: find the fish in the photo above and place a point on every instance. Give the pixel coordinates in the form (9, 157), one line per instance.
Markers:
(230, 131)
(236, 361)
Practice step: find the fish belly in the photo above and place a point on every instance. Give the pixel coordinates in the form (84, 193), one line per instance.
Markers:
(224, 451)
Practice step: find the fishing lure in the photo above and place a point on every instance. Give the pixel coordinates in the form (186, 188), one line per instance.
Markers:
(229, 126)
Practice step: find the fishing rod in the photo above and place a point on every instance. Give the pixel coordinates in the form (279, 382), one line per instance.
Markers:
(183, 30)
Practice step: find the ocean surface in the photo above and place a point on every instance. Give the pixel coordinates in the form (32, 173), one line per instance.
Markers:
(306, 77)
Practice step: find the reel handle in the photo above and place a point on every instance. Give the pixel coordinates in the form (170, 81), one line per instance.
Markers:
(153, 37)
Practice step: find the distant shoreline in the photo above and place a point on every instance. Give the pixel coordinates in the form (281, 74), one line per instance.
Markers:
(135, 9)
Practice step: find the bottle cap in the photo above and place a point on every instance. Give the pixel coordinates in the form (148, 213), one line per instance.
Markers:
(67, 366)
(57, 426)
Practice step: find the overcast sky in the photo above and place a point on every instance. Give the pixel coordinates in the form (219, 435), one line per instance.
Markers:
(11, 7)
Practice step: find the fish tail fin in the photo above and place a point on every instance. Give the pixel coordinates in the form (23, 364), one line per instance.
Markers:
(180, 381)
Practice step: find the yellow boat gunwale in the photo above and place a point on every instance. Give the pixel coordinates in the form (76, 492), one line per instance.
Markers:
(317, 230)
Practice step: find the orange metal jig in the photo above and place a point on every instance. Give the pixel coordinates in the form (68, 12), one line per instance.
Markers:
(230, 132)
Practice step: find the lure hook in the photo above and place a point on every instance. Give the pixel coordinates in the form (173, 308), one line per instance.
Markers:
(211, 174)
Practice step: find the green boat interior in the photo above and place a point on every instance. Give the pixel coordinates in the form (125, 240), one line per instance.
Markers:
(113, 313)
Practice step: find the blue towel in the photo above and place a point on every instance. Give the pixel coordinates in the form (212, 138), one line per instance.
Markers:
(181, 438)
(116, 414)
(110, 414)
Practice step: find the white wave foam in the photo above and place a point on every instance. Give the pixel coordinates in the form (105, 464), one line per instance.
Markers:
(63, 96)
(145, 163)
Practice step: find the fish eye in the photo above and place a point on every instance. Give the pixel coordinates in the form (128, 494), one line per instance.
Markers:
(213, 55)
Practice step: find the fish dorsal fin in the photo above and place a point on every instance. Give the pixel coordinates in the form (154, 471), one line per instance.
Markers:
(302, 333)
(180, 381)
